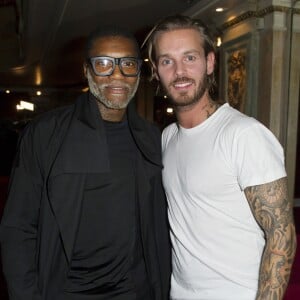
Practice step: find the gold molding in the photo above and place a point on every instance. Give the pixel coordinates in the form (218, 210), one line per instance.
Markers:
(296, 11)
(258, 14)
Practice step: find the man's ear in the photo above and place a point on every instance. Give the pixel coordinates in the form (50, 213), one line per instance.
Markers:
(85, 70)
(155, 73)
(210, 62)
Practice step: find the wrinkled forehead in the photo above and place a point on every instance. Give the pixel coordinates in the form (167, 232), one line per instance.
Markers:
(115, 46)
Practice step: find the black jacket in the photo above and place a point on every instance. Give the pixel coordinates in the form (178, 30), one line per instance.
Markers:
(38, 229)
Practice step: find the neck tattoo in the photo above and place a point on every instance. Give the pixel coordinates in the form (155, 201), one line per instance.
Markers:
(211, 108)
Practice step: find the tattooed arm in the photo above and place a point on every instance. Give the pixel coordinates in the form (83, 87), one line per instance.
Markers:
(274, 213)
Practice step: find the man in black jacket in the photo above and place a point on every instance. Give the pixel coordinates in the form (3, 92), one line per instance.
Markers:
(86, 214)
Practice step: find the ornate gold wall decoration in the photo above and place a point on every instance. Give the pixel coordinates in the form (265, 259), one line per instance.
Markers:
(236, 86)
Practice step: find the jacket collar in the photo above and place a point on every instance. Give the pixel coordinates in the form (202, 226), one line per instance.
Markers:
(86, 110)
(144, 134)
(147, 137)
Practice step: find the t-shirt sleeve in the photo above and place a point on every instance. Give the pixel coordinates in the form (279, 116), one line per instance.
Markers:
(258, 156)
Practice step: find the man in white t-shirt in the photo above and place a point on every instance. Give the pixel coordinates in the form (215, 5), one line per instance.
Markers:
(232, 227)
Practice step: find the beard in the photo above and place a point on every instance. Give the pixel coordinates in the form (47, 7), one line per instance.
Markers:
(184, 100)
(97, 90)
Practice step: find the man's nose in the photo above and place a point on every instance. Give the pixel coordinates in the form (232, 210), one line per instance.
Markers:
(180, 68)
(117, 72)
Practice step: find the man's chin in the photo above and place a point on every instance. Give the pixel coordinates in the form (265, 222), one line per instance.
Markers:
(182, 101)
(117, 105)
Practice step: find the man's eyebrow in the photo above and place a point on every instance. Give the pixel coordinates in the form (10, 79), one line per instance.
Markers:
(191, 51)
(162, 56)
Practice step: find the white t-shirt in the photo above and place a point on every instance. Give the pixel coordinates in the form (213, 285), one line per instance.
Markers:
(217, 244)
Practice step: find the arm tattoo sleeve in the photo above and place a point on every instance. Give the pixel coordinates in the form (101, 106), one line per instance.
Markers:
(274, 213)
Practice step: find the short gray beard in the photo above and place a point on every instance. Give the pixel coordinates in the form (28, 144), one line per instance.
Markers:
(98, 91)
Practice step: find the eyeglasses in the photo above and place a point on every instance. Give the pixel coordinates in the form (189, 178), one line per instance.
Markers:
(105, 65)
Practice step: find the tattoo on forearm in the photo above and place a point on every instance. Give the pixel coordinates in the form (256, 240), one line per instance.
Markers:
(274, 213)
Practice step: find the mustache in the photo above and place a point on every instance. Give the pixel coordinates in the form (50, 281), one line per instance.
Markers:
(182, 80)
(116, 83)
